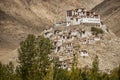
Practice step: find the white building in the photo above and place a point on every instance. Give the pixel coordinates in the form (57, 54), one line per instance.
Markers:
(48, 34)
(84, 53)
(60, 23)
(78, 16)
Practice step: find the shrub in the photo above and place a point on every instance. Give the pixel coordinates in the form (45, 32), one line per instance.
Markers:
(96, 31)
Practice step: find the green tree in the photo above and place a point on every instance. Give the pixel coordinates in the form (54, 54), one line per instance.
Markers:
(10, 71)
(75, 70)
(2, 72)
(95, 68)
(49, 75)
(26, 57)
(56, 66)
(105, 77)
(119, 73)
(34, 58)
(84, 75)
(115, 75)
(7, 71)
(42, 61)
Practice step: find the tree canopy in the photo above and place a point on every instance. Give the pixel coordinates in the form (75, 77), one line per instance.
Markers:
(35, 64)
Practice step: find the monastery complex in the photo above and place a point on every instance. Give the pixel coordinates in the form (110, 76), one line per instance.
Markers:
(71, 37)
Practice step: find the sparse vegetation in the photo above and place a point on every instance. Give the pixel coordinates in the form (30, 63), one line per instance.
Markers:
(34, 64)
(107, 30)
(96, 30)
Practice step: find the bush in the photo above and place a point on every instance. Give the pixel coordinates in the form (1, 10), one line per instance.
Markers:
(96, 31)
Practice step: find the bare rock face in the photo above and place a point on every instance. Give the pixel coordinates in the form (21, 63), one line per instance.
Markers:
(110, 12)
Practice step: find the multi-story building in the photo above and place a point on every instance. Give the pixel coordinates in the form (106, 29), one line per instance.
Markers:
(79, 16)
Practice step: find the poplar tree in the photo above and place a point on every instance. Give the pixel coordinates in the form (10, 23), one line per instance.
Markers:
(2, 72)
(7, 71)
(95, 68)
(10, 71)
(34, 58)
(26, 57)
(119, 72)
(42, 60)
(49, 75)
(75, 70)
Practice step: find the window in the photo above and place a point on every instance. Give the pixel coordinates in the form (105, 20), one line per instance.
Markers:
(71, 18)
(69, 13)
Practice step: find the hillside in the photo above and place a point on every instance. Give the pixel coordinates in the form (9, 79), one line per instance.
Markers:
(79, 40)
(110, 12)
(21, 17)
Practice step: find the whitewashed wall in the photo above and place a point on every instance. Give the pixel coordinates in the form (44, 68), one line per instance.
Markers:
(84, 54)
(90, 20)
